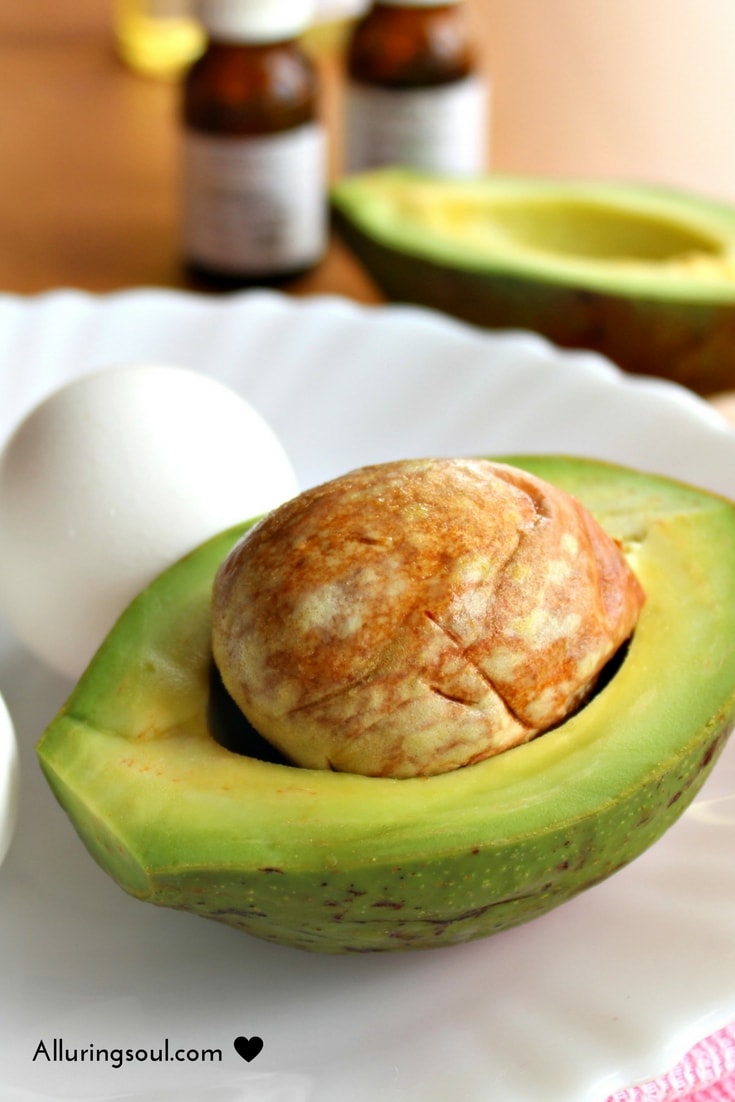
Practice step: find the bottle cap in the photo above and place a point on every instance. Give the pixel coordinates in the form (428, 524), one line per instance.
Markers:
(255, 20)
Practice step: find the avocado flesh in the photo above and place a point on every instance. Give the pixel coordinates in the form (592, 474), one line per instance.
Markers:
(642, 275)
(335, 862)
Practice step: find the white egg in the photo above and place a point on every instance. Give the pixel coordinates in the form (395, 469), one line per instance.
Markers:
(9, 780)
(111, 479)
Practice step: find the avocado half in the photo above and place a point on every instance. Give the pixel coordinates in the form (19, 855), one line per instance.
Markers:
(178, 802)
(644, 276)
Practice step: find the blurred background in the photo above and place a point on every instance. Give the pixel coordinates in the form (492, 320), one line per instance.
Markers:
(623, 88)
(617, 88)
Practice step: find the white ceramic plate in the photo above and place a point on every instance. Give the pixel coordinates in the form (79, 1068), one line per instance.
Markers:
(608, 989)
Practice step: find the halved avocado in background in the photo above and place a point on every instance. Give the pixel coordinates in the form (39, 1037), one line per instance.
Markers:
(645, 276)
(335, 862)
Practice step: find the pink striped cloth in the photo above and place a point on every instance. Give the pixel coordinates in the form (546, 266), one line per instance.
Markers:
(706, 1074)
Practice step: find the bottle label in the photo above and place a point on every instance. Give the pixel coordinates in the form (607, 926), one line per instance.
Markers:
(254, 206)
(442, 129)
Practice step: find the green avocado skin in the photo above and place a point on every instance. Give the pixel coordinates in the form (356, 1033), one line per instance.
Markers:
(344, 864)
(689, 339)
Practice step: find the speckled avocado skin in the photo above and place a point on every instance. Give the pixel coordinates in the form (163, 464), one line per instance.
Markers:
(692, 344)
(340, 863)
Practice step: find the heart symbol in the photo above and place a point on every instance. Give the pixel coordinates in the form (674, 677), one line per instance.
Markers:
(248, 1047)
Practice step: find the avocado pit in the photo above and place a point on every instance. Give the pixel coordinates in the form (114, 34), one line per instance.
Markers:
(411, 618)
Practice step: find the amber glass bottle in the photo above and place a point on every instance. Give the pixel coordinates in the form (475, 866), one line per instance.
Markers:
(254, 157)
(415, 94)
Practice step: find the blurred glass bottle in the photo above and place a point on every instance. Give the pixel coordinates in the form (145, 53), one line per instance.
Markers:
(254, 150)
(415, 93)
(158, 38)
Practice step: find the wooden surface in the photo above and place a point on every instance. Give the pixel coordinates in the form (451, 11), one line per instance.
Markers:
(89, 152)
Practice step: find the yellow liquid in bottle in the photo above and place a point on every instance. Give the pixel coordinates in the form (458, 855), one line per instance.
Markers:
(157, 38)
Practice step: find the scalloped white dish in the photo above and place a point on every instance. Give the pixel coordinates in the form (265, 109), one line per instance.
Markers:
(607, 990)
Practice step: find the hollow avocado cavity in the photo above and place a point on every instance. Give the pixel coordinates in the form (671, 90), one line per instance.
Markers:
(566, 229)
(644, 275)
(575, 228)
